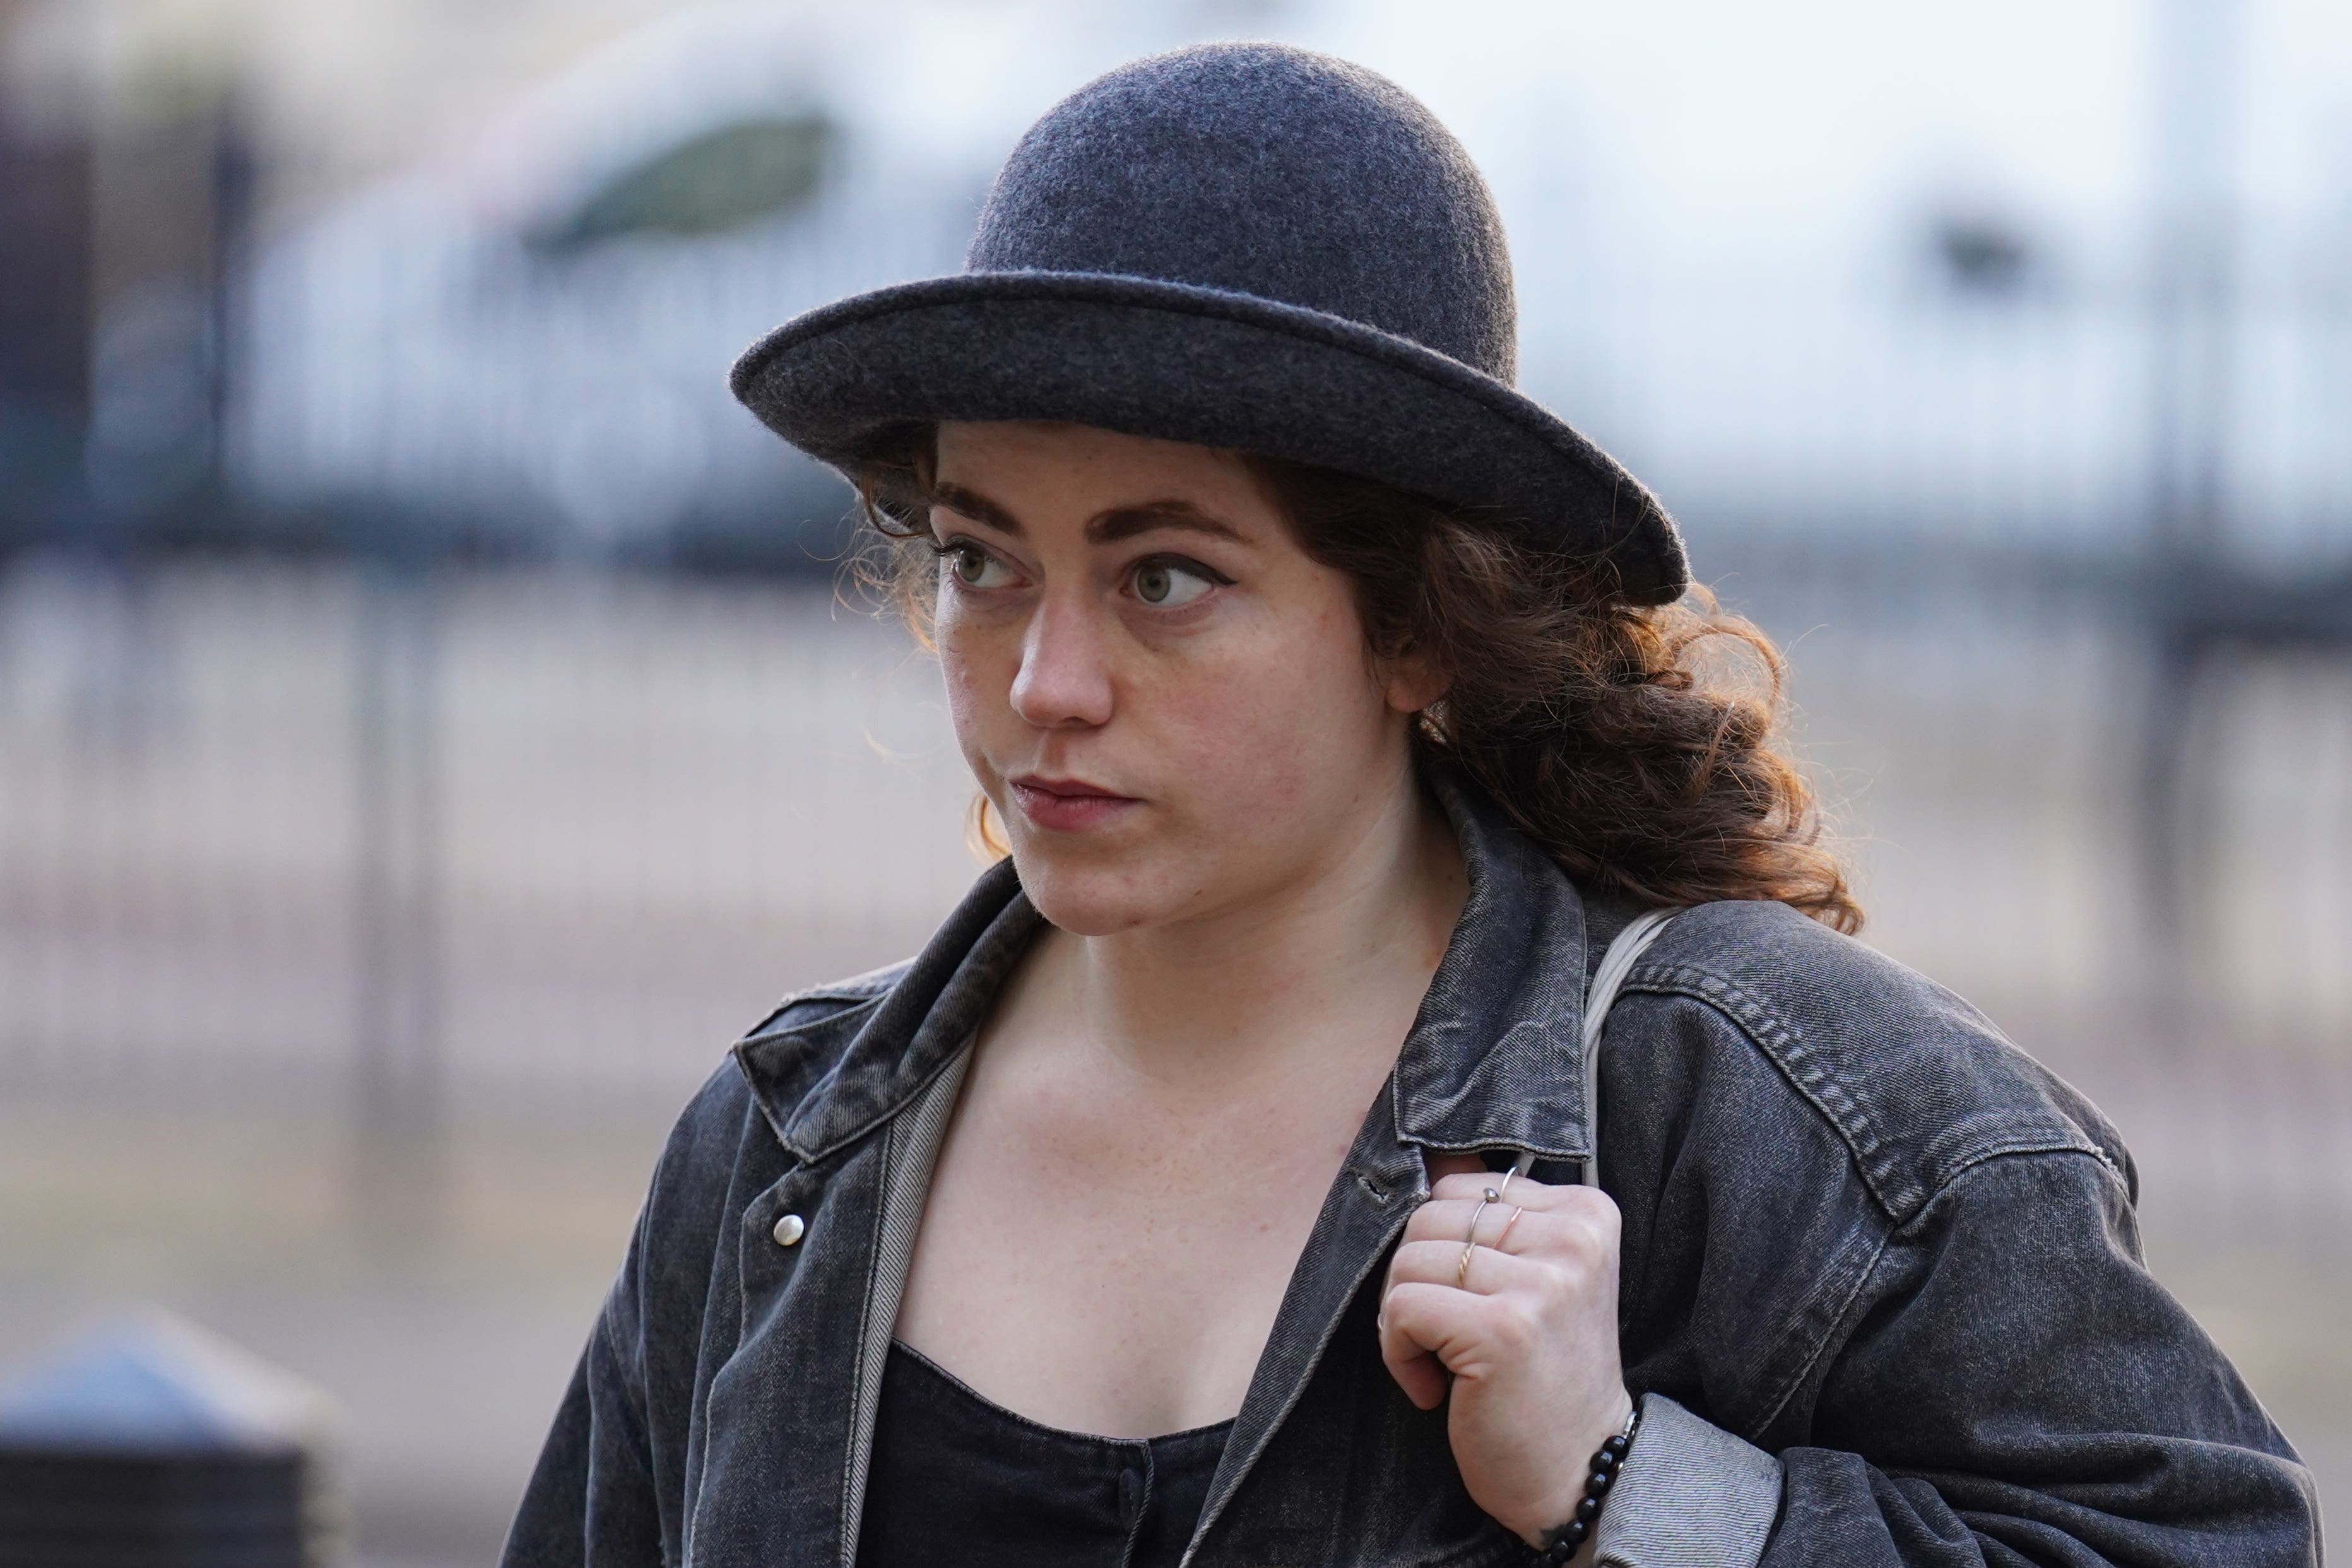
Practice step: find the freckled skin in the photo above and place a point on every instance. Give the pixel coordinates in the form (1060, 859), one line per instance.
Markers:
(1237, 947)
(1253, 730)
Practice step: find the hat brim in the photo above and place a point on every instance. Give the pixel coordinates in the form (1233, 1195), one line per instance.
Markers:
(1145, 357)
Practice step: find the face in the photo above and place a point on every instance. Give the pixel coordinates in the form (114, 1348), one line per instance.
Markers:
(1168, 702)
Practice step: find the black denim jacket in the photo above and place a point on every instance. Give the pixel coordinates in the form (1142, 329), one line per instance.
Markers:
(1881, 1299)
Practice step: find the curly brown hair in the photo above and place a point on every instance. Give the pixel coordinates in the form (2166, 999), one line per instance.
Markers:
(1642, 747)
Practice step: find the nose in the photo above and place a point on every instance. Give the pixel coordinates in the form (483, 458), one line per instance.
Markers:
(1065, 680)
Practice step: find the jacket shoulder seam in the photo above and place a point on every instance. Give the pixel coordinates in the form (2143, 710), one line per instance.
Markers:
(1898, 1195)
(1786, 1049)
(1826, 1339)
(2023, 1149)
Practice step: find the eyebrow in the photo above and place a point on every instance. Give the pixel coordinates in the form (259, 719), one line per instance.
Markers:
(1126, 522)
(974, 505)
(1107, 528)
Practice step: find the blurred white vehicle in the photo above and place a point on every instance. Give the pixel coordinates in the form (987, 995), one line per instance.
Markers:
(1939, 337)
(527, 346)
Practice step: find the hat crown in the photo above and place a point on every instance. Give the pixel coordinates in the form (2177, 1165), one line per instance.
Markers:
(1264, 170)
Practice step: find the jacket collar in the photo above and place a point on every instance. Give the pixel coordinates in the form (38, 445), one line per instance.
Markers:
(1492, 1061)
(903, 1040)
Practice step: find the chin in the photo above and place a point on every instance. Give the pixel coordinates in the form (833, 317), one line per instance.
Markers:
(1096, 897)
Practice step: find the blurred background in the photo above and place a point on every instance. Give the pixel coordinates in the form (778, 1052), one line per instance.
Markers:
(429, 730)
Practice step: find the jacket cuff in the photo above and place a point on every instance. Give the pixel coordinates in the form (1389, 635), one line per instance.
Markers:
(1691, 1495)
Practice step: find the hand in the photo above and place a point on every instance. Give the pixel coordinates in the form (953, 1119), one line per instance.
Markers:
(1527, 1336)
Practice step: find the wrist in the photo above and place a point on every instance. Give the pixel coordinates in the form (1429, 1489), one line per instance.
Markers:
(1558, 1506)
(1570, 1518)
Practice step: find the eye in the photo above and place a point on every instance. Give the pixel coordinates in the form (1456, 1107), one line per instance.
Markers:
(1165, 584)
(972, 566)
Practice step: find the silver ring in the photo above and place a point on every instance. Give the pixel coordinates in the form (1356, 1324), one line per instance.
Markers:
(1470, 1241)
(1489, 1196)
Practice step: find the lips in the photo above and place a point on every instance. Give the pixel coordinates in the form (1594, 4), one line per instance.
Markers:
(1067, 805)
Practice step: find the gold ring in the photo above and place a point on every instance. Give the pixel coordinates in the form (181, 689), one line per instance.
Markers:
(1514, 1219)
(1470, 1241)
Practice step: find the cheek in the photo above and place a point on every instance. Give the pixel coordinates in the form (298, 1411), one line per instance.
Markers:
(978, 689)
(1283, 719)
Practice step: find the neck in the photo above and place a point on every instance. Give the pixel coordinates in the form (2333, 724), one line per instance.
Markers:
(1328, 960)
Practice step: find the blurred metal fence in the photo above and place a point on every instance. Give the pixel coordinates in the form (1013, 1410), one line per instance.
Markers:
(532, 836)
(542, 837)
(377, 824)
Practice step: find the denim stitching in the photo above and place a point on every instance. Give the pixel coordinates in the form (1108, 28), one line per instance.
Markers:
(1821, 1336)
(1779, 1042)
(853, 1462)
(1218, 1503)
(847, 991)
(1822, 1347)
(1897, 1192)
(2010, 1151)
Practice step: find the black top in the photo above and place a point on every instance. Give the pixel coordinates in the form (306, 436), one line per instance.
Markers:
(957, 1477)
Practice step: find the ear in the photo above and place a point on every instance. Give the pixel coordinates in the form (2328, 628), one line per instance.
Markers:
(1412, 681)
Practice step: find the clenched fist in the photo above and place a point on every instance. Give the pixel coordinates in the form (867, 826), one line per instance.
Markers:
(1527, 1333)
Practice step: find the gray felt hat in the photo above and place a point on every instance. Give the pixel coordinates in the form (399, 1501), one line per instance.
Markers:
(1245, 245)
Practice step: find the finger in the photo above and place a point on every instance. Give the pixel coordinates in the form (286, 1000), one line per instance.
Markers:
(1519, 1189)
(1453, 1220)
(1417, 1337)
(1414, 1364)
(1476, 1212)
(1440, 1263)
(1581, 1239)
(1470, 1183)
(1418, 1373)
(1452, 1216)
(1585, 1233)
(1455, 1198)
(1431, 1332)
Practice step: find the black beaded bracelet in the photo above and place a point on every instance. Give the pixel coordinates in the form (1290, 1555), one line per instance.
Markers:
(1561, 1541)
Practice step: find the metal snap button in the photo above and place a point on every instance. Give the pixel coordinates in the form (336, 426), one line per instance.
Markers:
(790, 1230)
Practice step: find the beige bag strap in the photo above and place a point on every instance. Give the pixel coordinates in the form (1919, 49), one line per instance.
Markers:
(1607, 981)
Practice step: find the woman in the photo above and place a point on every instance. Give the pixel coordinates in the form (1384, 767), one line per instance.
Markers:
(1343, 714)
